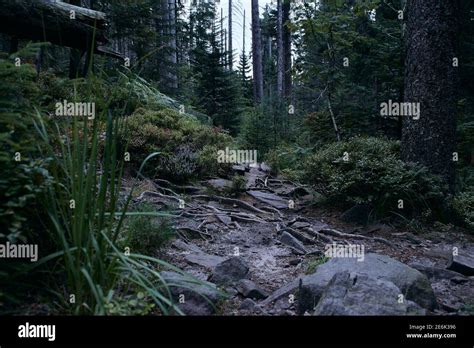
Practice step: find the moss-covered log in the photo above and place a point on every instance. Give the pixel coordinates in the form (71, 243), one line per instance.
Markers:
(55, 21)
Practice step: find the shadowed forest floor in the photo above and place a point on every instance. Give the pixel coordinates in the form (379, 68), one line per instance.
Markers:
(212, 228)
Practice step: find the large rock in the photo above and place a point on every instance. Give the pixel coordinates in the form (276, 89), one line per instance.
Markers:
(463, 264)
(413, 284)
(229, 271)
(198, 299)
(270, 199)
(352, 294)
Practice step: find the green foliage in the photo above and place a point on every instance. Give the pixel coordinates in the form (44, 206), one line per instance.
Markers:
(368, 170)
(24, 174)
(86, 214)
(237, 185)
(254, 131)
(312, 264)
(147, 234)
(136, 304)
(208, 164)
(216, 91)
(181, 141)
(287, 159)
(329, 35)
(463, 206)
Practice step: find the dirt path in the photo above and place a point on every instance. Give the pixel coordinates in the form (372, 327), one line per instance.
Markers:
(273, 229)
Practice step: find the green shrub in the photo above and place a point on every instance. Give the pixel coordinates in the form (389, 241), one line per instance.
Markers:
(23, 171)
(136, 304)
(369, 171)
(147, 234)
(463, 205)
(208, 165)
(237, 185)
(287, 159)
(188, 148)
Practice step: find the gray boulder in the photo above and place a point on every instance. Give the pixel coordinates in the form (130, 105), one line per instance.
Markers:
(270, 199)
(204, 260)
(413, 284)
(249, 289)
(229, 271)
(351, 294)
(189, 296)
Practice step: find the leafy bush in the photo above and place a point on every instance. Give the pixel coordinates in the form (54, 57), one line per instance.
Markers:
(186, 146)
(23, 172)
(287, 159)
(146, 233)
(208, 165)
(463, 205)
(237, 185)
(369, 171)
(136, 304)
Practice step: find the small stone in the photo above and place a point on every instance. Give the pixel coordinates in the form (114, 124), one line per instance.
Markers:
(463, 264)
(249, 289)
(248, 304)
(291, 241)
(294, 262)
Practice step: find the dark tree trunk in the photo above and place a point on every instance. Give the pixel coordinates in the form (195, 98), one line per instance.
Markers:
(287, 48)
(431, 80)
(13, 45)
(231, 50)
(280, 56)
(257, 53)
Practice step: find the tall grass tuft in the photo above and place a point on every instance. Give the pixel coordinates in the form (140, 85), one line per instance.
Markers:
(86, 214)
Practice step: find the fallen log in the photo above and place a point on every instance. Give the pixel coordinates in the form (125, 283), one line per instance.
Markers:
(57, 22)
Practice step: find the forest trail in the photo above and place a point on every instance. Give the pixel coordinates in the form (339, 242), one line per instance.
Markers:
(274, 230)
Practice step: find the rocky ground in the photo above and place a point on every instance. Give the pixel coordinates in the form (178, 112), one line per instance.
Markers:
(266, 251)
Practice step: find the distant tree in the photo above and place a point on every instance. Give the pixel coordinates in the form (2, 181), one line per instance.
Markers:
(257, 53)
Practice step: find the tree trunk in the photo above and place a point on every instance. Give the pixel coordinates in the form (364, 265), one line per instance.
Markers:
(167, 28)
(431, 80)
(287, 48)
(231, 53)
(257, 53)
(280, 56)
